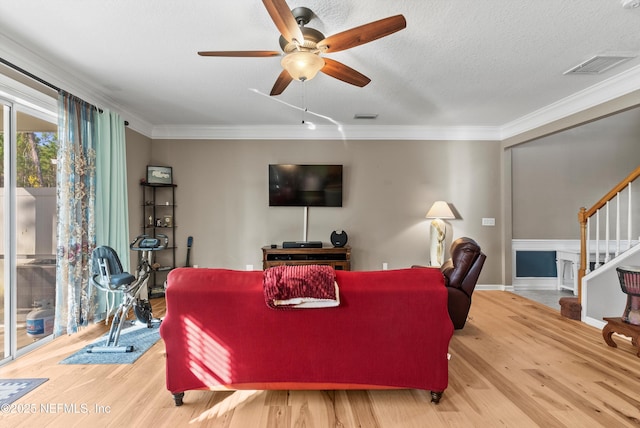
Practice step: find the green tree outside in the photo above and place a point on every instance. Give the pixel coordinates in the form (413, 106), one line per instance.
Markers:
(36, 156)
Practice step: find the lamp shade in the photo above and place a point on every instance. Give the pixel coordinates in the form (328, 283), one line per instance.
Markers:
(440, 209)
(302, 65)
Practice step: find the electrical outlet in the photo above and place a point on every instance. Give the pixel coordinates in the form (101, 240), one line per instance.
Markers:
(488, 221)
(385, 266)
(249, 267)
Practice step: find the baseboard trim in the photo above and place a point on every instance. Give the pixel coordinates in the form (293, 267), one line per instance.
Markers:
(535, 283)
(493, 287)
(593, 322)
(527, 285)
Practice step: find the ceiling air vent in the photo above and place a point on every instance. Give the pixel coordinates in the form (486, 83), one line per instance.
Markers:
(599, 64)
(365, 116)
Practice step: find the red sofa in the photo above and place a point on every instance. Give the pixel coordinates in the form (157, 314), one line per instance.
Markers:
(391, 330)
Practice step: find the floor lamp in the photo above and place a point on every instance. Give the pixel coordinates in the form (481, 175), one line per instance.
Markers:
(438, 231)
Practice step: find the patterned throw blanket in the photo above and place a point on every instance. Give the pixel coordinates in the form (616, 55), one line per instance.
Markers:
(305, 286)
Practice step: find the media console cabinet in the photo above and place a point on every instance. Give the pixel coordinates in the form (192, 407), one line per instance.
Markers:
(337, 257)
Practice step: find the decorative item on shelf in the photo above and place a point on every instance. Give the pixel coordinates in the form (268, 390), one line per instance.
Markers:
(158, 217)
(159, 174)
(339, 238)
(438, 211)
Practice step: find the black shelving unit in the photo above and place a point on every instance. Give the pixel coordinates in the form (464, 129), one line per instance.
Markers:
(158, 216)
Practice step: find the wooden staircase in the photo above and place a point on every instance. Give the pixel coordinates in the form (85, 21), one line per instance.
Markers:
(601, 234)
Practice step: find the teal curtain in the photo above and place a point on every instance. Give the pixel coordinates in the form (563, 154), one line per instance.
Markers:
(112, 208)
(76, 187)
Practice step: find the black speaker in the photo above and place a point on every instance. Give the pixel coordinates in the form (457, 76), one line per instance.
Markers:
(339, 239)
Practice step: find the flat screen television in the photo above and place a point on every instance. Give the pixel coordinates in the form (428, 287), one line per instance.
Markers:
(305, 185)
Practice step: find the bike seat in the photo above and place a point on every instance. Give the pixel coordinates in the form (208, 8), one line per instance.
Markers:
(120, 279)
(107, 273)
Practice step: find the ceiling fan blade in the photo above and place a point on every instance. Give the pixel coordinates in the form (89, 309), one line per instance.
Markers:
(342, 72)
(285, 21)
(240, 53)
(282, 82)
(363, 34)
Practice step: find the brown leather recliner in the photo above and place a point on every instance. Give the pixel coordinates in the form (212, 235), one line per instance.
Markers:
(461, 274)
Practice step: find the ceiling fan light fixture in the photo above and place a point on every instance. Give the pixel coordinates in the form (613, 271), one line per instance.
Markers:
(302, 65)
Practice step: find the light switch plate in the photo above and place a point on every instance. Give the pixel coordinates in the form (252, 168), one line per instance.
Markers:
(488, 221)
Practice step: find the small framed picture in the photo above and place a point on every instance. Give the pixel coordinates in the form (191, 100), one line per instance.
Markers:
(168, 221)
(159, 175)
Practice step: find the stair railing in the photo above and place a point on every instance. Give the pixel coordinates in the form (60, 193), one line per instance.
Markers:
(585, 218)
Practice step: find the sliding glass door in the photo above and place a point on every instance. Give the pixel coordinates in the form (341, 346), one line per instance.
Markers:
(36, 150)
(28, 145)
(5, 289)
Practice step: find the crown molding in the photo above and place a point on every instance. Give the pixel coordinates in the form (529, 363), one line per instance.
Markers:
(600, 93)
(325, 132)
(610, 89)
(605, 91)
(66, 80)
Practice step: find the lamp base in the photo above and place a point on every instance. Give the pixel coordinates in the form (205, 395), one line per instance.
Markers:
(436, 242)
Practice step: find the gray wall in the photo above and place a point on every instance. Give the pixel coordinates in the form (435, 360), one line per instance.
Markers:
(389, 186)
(138, 155)
(554, 176)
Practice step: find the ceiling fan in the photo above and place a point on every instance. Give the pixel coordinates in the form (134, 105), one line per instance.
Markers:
(302, 45)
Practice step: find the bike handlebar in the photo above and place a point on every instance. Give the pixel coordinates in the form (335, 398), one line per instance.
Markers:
(145, 243)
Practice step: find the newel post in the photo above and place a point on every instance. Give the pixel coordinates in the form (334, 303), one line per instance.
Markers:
(582, 218)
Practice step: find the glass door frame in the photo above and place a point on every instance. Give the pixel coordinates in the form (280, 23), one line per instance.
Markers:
(10, 308)
(16, 97)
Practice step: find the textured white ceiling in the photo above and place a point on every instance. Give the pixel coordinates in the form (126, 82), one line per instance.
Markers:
(459, 63)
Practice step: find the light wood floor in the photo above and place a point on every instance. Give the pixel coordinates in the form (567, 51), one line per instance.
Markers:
(517, 363)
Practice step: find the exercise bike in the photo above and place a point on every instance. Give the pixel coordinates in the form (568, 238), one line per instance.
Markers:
(107, 275)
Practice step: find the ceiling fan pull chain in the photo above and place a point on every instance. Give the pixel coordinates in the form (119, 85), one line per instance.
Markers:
(304, 99)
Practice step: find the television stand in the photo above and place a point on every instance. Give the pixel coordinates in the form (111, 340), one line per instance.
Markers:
(337, 257)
